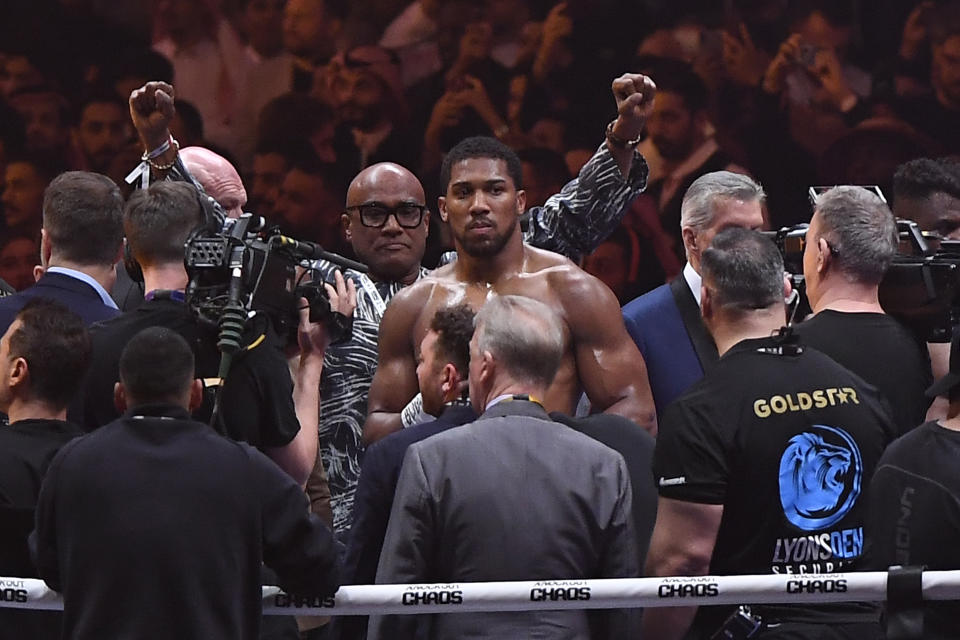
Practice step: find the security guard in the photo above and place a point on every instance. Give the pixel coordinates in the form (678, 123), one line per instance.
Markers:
(761, 465)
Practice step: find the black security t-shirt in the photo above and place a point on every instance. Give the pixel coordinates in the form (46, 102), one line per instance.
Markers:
(786, 440)
(880, 350)
(915, 513)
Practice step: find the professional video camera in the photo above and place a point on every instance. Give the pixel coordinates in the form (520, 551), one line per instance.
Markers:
(920, 288)
(247, 267)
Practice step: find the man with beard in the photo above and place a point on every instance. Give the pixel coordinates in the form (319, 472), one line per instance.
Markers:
(483, 202)
(683, 139)
(102, 130)
(368, 97)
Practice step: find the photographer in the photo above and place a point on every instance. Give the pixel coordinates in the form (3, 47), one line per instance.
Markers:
(259, 402)
(849, 246)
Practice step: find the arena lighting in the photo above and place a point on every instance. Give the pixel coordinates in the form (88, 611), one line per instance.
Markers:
(24, 593)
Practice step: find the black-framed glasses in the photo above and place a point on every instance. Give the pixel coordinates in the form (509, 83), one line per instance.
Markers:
(408, 215)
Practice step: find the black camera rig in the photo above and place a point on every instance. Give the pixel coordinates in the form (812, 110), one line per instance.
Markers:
(921, 288)
(247, 267)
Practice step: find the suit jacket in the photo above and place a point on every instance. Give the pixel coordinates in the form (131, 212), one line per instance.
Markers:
(676, 346)
(376, 487)
(512, 496)
(636, 446)
(372, 502)
(75, 294)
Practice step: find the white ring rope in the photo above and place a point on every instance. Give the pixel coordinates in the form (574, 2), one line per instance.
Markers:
(25, 593)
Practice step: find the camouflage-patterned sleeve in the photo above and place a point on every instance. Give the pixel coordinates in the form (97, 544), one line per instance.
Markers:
(588, 208)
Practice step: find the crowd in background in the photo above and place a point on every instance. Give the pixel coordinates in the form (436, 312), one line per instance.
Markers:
(302, 94)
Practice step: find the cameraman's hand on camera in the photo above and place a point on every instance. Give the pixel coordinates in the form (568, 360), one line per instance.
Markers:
(313, 337)
(152, 110)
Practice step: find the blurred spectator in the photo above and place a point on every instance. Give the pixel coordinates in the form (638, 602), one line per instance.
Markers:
(46, 117)
(19, 253)
(102, 130)
(928, 192)
(544, 174)
(24, 180)
(310, 29)
(293, 118)
(412, 35)
(11, 134)
(17, 72)
(208, 63)
(367, 97)
(133, 68)
(683, 139)
(271, 161)
(510, 33)
(937, 112)
(187, 125)
(310, 202)
(468, 96)
(622, 263)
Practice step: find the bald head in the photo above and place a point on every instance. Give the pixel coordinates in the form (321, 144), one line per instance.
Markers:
(218, 178)
(392, 252)
(384, 177)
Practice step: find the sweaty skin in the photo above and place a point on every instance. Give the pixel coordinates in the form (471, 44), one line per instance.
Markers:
(600, 358)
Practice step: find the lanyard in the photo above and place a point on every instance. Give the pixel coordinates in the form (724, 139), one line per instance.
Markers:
(375, 298)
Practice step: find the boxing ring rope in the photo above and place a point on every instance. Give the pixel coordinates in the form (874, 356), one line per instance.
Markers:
(26, 593)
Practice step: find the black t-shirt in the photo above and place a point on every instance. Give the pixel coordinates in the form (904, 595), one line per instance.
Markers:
(26, 449)
(257, 401)
(915, 513)
(880, 350)
(786, 440)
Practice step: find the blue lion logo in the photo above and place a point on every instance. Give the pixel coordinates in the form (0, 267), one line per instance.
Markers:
(819, 481)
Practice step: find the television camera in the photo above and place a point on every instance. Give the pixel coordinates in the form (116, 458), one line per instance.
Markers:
(247, 268)
(921, 288)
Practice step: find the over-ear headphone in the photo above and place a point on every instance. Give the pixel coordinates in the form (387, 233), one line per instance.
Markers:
(210, 223)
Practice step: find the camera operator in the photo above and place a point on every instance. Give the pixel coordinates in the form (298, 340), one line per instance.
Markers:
(851, 242)
(259, 403)
(735, 454)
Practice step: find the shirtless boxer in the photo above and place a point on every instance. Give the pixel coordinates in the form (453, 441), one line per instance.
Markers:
(482, 206)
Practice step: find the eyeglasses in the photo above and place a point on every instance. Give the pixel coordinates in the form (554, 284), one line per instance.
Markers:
(408, 216)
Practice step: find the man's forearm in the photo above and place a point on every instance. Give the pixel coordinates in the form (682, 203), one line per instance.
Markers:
(299, 455)
(644, 414)
(379, 425)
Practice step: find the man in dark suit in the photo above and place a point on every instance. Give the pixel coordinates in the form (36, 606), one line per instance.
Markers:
(81, 241)
(512, 496)
(665, 323)
(443, 360)
(442, 373)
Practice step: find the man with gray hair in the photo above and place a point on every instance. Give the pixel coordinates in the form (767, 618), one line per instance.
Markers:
(665, 323)
(736, 452)
(512, 496)
(851, 242)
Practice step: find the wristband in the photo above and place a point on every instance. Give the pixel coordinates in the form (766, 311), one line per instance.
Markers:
(617, 141)
(411, 413)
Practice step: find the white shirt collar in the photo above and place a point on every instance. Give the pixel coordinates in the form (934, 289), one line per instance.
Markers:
(83, 277)
(693, 281)
(498, 400)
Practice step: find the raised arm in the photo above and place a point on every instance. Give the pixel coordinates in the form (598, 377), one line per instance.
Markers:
(589, 207)
(395, 382)
(610, 367)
